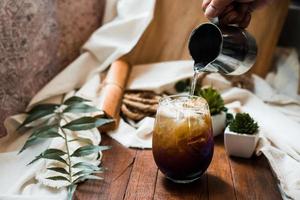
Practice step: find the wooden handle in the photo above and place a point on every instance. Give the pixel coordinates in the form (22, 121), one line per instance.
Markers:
(112, 91)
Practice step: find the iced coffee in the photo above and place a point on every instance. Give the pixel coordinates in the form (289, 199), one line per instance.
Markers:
(182, 139)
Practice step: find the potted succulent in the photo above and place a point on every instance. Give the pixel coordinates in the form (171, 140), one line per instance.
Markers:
(241, 136)
(216, 107)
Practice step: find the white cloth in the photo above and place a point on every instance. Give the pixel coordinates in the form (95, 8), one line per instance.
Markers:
(286, 79)
(125, 21)
(285, 76)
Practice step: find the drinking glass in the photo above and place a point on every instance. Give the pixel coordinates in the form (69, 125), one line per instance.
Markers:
(182, 140)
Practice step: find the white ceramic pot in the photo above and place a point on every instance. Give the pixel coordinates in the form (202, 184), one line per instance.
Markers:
(240, 145)
(218, 123)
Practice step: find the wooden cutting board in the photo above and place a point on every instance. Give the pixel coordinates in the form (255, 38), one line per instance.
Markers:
(167, 36)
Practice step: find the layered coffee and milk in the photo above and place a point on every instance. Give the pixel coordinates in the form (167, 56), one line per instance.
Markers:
(183, 140)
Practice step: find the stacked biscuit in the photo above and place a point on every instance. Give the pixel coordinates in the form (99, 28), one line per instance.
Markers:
(139, 104)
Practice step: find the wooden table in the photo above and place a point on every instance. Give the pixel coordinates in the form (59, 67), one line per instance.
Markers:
(133, 175)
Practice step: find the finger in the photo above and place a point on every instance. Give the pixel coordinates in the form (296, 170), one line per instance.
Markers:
(236, 18)
(205, 3)
(227, 10)
(246, 21)
(216, 7)
(245, 1)
(239, 15)
(229, 18)
(243, 9)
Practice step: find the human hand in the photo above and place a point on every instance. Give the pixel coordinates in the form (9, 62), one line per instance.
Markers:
(232, 12)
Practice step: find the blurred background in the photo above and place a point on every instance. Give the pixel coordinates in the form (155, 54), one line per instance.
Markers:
(291, 29)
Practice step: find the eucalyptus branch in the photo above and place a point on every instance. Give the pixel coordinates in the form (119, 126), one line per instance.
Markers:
(68, 153)
(79, 171)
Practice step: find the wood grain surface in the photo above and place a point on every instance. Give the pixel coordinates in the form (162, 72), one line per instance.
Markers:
(133, 175)
(167, 36)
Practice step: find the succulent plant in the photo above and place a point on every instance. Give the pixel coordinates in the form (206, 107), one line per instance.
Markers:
(213, 98)
(229, 117)
(183, 85)
(243, 123)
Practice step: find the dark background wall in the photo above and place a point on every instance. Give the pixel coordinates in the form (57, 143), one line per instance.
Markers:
(38, 38)
(290, 35)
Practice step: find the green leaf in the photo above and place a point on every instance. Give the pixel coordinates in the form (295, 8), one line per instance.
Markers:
(71, 189)
(53, 151)
(58, 178)
(84, 140)
(83, 172)
(38, 112)
(182, 86)
(89, 149)
(29, 142)
(80, 108)
(213, 98)
(85, 165)
(229, 118)
(39, 107)
(52, 154)
(49, 134)
(87, 172)
(50, 131)
(91, 177)
(244, 124)
(86, 123)
(75, 99)
(59, 170)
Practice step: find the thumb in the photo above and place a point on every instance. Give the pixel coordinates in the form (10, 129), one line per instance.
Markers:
(216, 7)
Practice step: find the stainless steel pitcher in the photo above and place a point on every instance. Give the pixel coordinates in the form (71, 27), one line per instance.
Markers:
(229, 50)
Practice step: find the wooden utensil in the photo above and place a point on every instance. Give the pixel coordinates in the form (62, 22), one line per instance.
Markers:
(112, 92)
